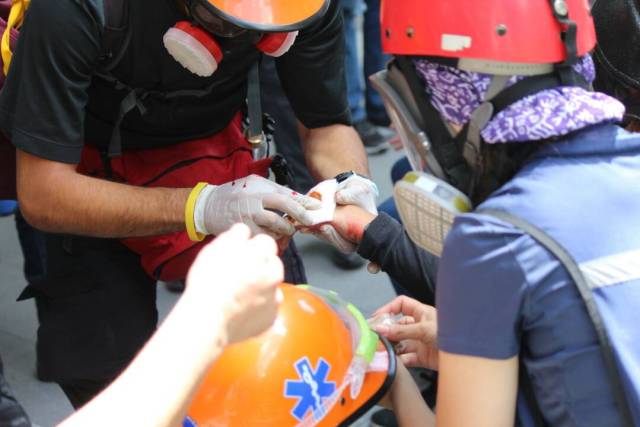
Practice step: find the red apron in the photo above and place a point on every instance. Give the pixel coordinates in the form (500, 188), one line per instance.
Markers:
(216, 159)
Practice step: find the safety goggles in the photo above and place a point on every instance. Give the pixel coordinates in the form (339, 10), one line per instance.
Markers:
(205, 15)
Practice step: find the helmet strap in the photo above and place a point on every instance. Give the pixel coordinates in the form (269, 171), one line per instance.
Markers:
(570, 38)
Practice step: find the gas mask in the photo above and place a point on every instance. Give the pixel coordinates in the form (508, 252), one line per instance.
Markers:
(426, 202)
(193, 43)
(449, 167)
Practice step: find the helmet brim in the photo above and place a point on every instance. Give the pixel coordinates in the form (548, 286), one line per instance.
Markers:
(269, 15)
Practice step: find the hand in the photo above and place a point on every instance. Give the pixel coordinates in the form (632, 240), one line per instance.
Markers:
(252, 201)
(349, 222)
(356, 191)
(236, 277)
(416, 334)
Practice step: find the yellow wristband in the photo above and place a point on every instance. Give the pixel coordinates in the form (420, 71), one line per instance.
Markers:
(189, 210)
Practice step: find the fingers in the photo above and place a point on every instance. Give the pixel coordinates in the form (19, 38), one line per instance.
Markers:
(328, 233)
(273, 223)
(410, 360)
(398, 332)
(262, 243)
(228, 241)
(408, 346)
(241, 262)
(309, 203)
(360, 194)
(290, 206)
(409, 307)
(395, 306)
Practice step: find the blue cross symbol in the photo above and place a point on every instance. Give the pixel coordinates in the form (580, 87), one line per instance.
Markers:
(311, 389)
(188, 422)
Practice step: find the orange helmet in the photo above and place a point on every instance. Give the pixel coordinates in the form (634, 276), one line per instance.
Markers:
(319, 364)
(256, 15)
(504, 31)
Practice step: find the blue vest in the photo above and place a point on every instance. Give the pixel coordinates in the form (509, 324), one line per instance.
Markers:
(584, 192)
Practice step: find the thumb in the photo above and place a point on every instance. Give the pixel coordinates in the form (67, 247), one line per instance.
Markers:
(399, 332)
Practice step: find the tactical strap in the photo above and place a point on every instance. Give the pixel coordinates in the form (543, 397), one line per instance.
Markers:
(590, 304)
(253, 101)
(116, 33)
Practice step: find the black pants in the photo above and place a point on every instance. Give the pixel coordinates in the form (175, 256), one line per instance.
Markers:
(96, 308)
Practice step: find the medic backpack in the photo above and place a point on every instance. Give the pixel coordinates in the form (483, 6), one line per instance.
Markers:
(12, 12)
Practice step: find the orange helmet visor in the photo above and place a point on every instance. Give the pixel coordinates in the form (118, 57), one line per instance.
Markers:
(269, 15)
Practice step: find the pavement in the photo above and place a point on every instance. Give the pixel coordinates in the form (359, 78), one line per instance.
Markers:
(46, 404)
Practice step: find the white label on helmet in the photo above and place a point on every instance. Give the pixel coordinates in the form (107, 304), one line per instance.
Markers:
(455, 43)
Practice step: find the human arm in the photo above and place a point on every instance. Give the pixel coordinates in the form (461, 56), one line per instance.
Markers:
(383, 241)
(43, 108)
(54, 197)
(333, 149)
(230, 296)
(407, 403)
(482, 299)
(476, 391)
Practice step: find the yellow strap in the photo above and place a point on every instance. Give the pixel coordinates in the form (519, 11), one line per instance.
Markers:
(16, 18)
(189, 210)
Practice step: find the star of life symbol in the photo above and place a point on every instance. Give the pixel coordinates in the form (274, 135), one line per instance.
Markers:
(188, 422)
(311, 389)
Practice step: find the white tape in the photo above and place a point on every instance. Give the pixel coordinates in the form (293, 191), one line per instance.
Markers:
(455, 43)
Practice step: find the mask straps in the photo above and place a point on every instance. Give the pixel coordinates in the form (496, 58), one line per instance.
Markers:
(469, 137)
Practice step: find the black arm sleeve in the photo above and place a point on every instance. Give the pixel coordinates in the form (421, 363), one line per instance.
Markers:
(312, 73)
(42, 104)
(387, 244)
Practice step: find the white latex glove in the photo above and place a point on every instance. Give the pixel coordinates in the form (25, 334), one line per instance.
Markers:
(252, 201)
(355, 190)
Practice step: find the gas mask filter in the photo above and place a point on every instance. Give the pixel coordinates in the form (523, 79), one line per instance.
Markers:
(198, 51)
(427, 207)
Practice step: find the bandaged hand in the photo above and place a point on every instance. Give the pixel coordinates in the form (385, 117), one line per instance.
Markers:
(254, 201)
(354, 190)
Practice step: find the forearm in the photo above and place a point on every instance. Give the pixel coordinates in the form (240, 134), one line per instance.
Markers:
(407, 403)
(156, 388)
(385, 243)
(54, 197)
(332, 150)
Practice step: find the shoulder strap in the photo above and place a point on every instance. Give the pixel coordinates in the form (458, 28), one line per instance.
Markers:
(587, 297)
(116, 33)
(255, 135)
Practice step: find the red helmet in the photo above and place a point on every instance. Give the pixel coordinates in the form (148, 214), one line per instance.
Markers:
(512, 31)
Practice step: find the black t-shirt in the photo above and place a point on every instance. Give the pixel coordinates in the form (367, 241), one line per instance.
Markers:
(52, 101)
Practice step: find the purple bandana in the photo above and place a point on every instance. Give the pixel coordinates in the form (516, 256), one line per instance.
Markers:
(553, 112)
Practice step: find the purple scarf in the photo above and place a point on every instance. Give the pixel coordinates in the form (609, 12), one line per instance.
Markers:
(553, 112)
